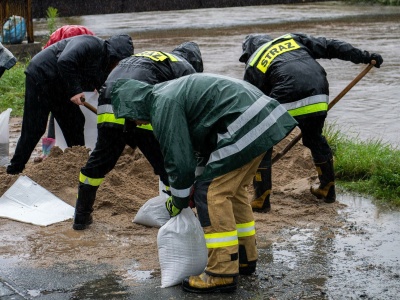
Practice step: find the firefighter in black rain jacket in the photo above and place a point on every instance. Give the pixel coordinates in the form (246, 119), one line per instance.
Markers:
(114, 134)
(286, 69)
(55, 80)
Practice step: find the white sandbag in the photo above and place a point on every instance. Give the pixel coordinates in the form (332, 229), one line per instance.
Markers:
(4, 137)
(182, 248)
(154, 213)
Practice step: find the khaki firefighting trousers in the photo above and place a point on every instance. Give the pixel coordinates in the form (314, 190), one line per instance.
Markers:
(230, 220)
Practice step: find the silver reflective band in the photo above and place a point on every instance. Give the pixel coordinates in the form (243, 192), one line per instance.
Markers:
(221, 239)
(198, 171)
(250, 137)
(105, 108)
(306, 101)
(180, 193)
(245, 117)
(246, 229)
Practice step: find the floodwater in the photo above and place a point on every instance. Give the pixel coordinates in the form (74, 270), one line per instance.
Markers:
(361, 260)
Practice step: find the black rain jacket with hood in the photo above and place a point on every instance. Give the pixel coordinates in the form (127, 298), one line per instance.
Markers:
(286, 69)
(151, 67)
(80, 63)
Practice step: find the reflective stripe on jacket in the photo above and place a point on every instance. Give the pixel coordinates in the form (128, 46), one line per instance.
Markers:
(286, 69)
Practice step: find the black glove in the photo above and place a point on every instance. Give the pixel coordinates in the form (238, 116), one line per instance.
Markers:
(377, 58)
(367, 58)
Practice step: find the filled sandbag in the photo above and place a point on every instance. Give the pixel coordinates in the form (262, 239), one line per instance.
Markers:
(154, 213)
(181, 248)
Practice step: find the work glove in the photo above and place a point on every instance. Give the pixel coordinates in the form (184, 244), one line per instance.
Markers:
(172, 209)
(367, 58)
(378, 58)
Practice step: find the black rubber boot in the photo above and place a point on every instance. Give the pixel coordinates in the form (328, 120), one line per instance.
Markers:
(84, 206)
(262, 190)
(326, 175)
(246, 267)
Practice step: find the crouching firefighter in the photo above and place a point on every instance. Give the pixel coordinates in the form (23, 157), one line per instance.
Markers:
(285, 68)
(228, 124)
(115, 133)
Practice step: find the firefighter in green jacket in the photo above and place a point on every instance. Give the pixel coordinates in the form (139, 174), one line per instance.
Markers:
(286, 69)
(213, 132)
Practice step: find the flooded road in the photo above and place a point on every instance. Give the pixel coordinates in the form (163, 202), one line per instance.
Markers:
(361, 259)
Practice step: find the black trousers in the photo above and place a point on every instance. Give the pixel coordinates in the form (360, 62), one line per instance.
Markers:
(39, 102)
(110, 144)
(311, 130)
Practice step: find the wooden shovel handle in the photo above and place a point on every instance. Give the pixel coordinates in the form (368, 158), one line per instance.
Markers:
(297, 138)
(88, 105)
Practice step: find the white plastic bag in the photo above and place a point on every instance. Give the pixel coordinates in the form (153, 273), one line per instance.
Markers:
(182, 248)
(154, 213)
(5, 137)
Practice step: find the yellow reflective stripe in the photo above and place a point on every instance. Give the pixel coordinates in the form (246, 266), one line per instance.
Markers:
(258, 54)
(157, 55)
(274, 51)
(147, 126)
(246, 229)
(309, 109)
(109, 118)
(90, 181)
(221, 239)
(171, 57)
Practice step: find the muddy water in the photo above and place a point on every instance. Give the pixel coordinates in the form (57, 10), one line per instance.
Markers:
(360, 260)
(369, 110)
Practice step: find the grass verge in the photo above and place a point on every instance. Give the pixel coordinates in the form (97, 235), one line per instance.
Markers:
(367, 167)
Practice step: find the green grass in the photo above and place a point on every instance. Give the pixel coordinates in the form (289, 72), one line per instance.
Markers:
(12, 89)
(367, 167)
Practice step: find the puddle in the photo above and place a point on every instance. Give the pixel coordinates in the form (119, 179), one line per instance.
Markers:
(360, 260)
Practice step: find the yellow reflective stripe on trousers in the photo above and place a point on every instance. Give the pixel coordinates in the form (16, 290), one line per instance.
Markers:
(90, 181)
(246, 229)
(222, 239)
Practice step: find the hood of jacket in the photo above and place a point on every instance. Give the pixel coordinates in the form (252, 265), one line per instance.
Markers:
(132, 99)
(190, 51)
(119, 47)
(251, 43)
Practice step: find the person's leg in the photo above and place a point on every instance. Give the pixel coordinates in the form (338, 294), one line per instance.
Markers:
(70, 119)
(150, 147)
(262, 184)
(227, 220)
(109, 146)
(34, 121)
(311, 129)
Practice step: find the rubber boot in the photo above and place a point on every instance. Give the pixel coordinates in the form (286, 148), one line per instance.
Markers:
(326, 175)
(246, 267)
(205, 283)
(262, 190)
(84, 206)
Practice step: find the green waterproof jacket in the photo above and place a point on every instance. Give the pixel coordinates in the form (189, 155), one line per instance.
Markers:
(227, 121)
